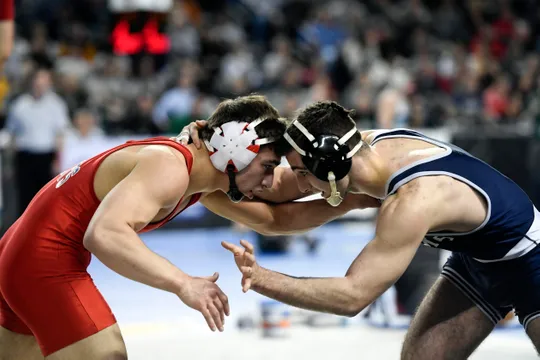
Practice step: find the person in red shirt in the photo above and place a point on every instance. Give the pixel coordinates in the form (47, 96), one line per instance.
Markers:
(6, 29)
(496, 99)
(49, 305)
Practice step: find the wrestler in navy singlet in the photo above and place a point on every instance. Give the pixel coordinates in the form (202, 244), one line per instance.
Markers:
(497, 265)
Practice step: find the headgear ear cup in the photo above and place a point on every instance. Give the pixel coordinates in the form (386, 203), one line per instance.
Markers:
(327, 157)
(232, 148)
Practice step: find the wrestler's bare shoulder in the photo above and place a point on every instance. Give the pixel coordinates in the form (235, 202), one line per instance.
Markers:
(116, 166)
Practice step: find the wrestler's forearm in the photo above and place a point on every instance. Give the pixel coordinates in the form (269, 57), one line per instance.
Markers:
(286, 218)
(330, 295)
(276, 219)
(297, 217)
(124, 252)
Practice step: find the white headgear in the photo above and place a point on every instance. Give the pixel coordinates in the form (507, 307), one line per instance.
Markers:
(235, 143)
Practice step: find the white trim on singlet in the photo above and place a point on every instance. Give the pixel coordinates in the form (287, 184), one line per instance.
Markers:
(415, 163)
(526, 244)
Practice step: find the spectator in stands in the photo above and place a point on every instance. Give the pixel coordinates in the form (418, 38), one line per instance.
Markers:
(185, 39)
(467, 96)
(496, 99)
(40, 52)
(364, 114)
(138, 119)
(70, 89)
(292, 51)
(37, 121)
(277, 60)
(175, 107)
(393, 109)
(85, 127)
(82, 140)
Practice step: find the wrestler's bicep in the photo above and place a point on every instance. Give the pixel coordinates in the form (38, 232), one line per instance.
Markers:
(158, 180)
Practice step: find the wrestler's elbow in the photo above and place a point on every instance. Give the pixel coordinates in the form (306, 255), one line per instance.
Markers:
(264, 228)
(353, 309)
(273, 229)
(355, 301)
(93, 239)
(98, 237)
(283, 229)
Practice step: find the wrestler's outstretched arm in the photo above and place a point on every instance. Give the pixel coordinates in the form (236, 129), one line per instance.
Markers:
(286, 218)
(401, 226)
(158, 181)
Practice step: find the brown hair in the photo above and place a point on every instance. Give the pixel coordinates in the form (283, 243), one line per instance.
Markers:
(324, 118)
(247, 109)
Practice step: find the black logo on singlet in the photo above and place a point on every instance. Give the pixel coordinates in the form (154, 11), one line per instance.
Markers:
(436, 241)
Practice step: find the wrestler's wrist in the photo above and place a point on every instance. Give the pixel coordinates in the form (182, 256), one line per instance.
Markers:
(257, 275)
(179, 282)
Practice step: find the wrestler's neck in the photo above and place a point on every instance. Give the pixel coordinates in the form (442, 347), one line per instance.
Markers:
(369, 173)
(204, 177)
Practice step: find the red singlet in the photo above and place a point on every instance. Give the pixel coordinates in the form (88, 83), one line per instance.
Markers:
(45, 289)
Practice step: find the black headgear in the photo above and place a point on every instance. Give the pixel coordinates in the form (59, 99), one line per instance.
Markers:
(327, 157)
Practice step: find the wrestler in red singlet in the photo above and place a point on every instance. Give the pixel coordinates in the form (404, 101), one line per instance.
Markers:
(45, 288)
(98, 207)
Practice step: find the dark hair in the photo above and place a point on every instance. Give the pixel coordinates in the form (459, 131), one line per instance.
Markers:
(324, 117)
(247, 109)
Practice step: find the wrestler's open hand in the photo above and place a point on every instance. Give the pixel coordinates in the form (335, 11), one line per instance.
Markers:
(245, 260)
(191, 131)
(203, 294)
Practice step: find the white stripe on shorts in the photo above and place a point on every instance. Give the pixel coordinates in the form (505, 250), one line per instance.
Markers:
(468, 290)
(527, 319)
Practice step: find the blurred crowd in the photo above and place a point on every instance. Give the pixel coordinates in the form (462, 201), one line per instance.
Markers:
(398, 63)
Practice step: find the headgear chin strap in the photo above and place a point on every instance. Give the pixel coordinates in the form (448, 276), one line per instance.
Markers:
(234, 194)
(232, 148)
(328, 157)
(335, 197)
